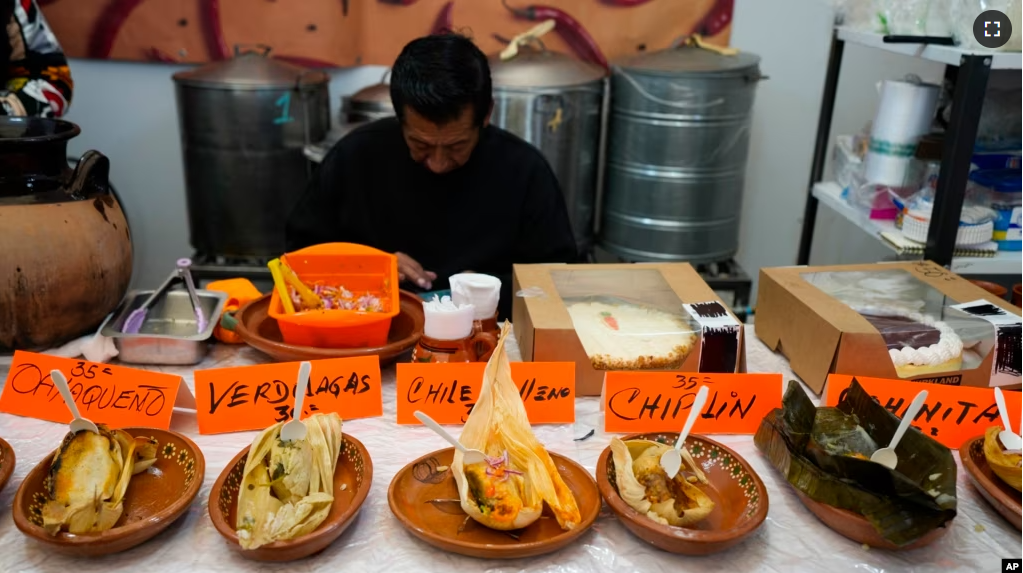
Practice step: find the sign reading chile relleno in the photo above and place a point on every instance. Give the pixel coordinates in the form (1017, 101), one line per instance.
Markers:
(992, 29)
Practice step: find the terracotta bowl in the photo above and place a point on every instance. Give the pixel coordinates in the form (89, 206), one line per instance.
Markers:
(7, 462)
(443, 524)
(352, 479)
(740, 500)
(993, 288)
(1017, 295)
(261, 332)
(153, 501)
(856, 527)
(999, 494)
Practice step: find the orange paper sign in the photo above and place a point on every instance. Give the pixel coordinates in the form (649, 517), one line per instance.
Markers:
(660, 401)
(447, 392)
(951, 414)
(255, 397)
(113, 395)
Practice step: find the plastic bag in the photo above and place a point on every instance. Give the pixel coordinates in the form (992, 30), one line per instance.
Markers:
(914, 17)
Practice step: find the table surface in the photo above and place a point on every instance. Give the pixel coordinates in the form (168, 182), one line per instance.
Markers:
(790, 539)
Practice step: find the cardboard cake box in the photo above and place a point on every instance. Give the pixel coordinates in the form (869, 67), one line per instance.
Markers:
(662, 295)
(817, 318)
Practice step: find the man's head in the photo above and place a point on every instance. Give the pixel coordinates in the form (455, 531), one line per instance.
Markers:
(441, 91)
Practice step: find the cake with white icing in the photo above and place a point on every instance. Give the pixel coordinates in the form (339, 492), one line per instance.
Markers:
(631, 337)
(917, 343)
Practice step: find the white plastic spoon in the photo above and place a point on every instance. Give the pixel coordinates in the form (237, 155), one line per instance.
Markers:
(671, 460)
(79, 423)
(295, 428)
(469, 456)
(886, 456)
(1010, 440)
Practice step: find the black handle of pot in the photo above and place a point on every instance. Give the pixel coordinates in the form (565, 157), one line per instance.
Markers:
(262, 48)
(92, 174)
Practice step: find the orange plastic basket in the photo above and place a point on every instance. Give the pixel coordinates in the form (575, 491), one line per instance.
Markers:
(358, 268)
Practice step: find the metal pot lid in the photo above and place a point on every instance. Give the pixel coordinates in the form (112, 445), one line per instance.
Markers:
(686, 60)
(379, 94)
(533, 68)
(251, 70)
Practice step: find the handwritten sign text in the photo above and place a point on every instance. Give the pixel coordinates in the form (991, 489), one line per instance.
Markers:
(951, 415)
(113, 395)
(448, 392)
(660, 401)
(254, 397)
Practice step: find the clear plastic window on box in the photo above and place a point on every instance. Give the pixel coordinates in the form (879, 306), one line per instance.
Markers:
(627, 319)
(923, 334)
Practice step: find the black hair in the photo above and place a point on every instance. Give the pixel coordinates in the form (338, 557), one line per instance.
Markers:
(437, 76)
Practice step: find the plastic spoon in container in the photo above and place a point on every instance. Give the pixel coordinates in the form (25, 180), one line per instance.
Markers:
(469, 456)
(79, 423)
(671, 460)
(886, 456)
(186, 275)
(295, 428)
(1010, 440)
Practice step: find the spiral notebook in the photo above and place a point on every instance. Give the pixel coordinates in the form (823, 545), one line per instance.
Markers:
(905, 246)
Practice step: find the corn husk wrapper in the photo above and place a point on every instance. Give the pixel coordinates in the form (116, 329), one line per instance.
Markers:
(287, 487)
(1005, 465)
(642, 458)
(89, 475)
(498, 424)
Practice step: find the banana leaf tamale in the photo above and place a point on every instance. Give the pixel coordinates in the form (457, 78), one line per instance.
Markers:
(825, 454)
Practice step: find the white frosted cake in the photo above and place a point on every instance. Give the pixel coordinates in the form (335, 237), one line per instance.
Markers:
(629, 337)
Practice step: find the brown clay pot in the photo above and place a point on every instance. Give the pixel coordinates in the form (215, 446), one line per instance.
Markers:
(488, 325)
(65, 247)
(995, 289)
(475, 348)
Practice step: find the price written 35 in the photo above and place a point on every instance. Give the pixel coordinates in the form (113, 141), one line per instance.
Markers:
(93, 388)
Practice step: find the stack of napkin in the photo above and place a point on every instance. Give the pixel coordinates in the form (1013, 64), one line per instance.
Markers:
(446, 320)
(481, 291)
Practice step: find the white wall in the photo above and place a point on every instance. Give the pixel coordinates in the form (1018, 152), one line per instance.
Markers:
(127, 111)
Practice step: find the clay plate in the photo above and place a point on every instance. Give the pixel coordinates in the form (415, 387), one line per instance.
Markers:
(155, 498)
(999, 494)
(262, 333)
(353, 473)
(444, 525)
(7, 462)
(856, 527)
(740, 500)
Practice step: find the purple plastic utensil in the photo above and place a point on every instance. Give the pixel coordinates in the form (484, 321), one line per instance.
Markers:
(134, 322)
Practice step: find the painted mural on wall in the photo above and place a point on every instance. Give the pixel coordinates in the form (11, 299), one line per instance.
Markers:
(342, 33)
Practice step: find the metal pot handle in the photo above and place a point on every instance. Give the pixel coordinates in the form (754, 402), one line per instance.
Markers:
(91, 173)
(262, 48)
(387, 74)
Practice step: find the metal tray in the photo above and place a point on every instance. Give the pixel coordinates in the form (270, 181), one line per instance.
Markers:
(170, 333)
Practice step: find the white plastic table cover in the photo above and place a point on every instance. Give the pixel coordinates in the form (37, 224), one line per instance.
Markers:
(790, 539)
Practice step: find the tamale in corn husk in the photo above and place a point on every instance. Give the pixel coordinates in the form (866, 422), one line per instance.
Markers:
(824, 453)
(644, 486)
(89, 476)
(508, 490)
(287, 487)
(1007, 465)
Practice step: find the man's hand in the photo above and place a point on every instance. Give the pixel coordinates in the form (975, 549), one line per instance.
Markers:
(409, 269)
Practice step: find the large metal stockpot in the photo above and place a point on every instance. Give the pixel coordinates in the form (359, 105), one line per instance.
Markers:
(371, 103)
(677, 147)
(555, 102)
(244, 124)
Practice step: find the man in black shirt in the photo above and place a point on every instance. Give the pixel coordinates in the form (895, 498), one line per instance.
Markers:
(438, 186)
